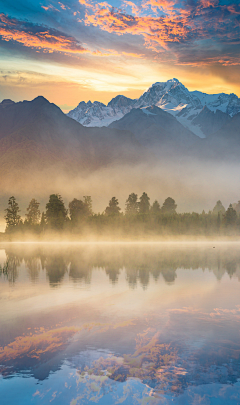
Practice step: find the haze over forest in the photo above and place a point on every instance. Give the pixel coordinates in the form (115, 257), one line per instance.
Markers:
(164, 115)
(146, 147)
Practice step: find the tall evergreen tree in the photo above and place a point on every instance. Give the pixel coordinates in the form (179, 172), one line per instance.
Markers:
(219, 208)
(87, 199)
(12, 215)
(33, 214)
(56, 213)
(144, 204)
(132, 204)
(169, 206)
(230, 216)
(155, 209)
(77, 211)
(80, 210)
(113, 208)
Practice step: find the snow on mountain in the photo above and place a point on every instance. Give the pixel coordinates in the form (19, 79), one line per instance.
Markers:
(97, 114)
(173, 97)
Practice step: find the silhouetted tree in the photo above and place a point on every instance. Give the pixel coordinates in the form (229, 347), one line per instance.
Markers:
(169, 206)
(12, 216)
(230, 216)
(155, 209)
(144, 204)
(113, 207)
(87, 199)
(56, 213)
(132, 204)
(76, 211)
(33, 214)
(79, 210)
(219, 208)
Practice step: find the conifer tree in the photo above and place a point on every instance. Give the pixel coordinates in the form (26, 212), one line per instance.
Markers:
(113, 207)
(219, 208)
(132, 204)
(56, 213)
(33, 214)
(169, 206)
(144, 204)
(230, 216)
(12, 217)
(155, 209)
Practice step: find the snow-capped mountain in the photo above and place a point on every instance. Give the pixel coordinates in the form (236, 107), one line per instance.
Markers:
(97, 114)
(201, 113)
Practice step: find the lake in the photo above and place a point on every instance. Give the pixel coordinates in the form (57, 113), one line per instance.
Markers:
(116, 323)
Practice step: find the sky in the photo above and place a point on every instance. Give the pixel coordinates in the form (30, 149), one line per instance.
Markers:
(78, 50)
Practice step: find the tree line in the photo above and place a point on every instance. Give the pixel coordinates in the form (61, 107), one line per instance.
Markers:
(139, 216)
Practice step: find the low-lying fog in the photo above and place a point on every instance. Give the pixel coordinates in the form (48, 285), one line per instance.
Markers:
(195, 186)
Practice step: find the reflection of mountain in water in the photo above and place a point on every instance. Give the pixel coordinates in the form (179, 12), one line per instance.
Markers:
(139, 263)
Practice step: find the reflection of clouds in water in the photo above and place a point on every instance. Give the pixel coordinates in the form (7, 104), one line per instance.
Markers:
(168, 361)
(200, 352)
(171, 348)
(40, 345)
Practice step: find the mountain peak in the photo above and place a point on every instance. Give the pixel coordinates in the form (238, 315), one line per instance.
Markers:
(6, 103)
(170, 81)
(171, 96)
(120, 101)
(40, 100)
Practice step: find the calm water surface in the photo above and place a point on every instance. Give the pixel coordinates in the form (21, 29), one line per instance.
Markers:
(120, 324)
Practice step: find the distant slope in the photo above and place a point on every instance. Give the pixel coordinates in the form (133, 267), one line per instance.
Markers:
(36, 136)
(230, 132)
(156, 128)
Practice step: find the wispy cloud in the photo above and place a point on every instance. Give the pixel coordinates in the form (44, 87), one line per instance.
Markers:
(175, 22)
(37, 36)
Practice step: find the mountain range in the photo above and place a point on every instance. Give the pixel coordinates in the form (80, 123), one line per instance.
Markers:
(203, 114)
(44, 151)
(37, 138)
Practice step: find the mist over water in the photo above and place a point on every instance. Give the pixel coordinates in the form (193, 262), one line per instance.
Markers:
(136, 323)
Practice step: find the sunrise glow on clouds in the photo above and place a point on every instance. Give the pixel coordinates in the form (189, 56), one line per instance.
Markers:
(81, 49)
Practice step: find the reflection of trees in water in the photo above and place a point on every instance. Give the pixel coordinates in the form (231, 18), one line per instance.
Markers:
(56, 267)
(10, 268)
(33, 265)
(231, 267)
(80, 270)
(141, 274)
(139, 263)
(113, 273)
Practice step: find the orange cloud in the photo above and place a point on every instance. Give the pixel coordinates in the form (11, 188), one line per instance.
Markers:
(49, 40)
(158, 31)
(164, 5)
(176, 25)
(39, 37)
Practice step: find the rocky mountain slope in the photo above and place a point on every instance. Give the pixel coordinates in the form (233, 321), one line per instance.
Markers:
(157, 129)
(37, 137)
(189, 108)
